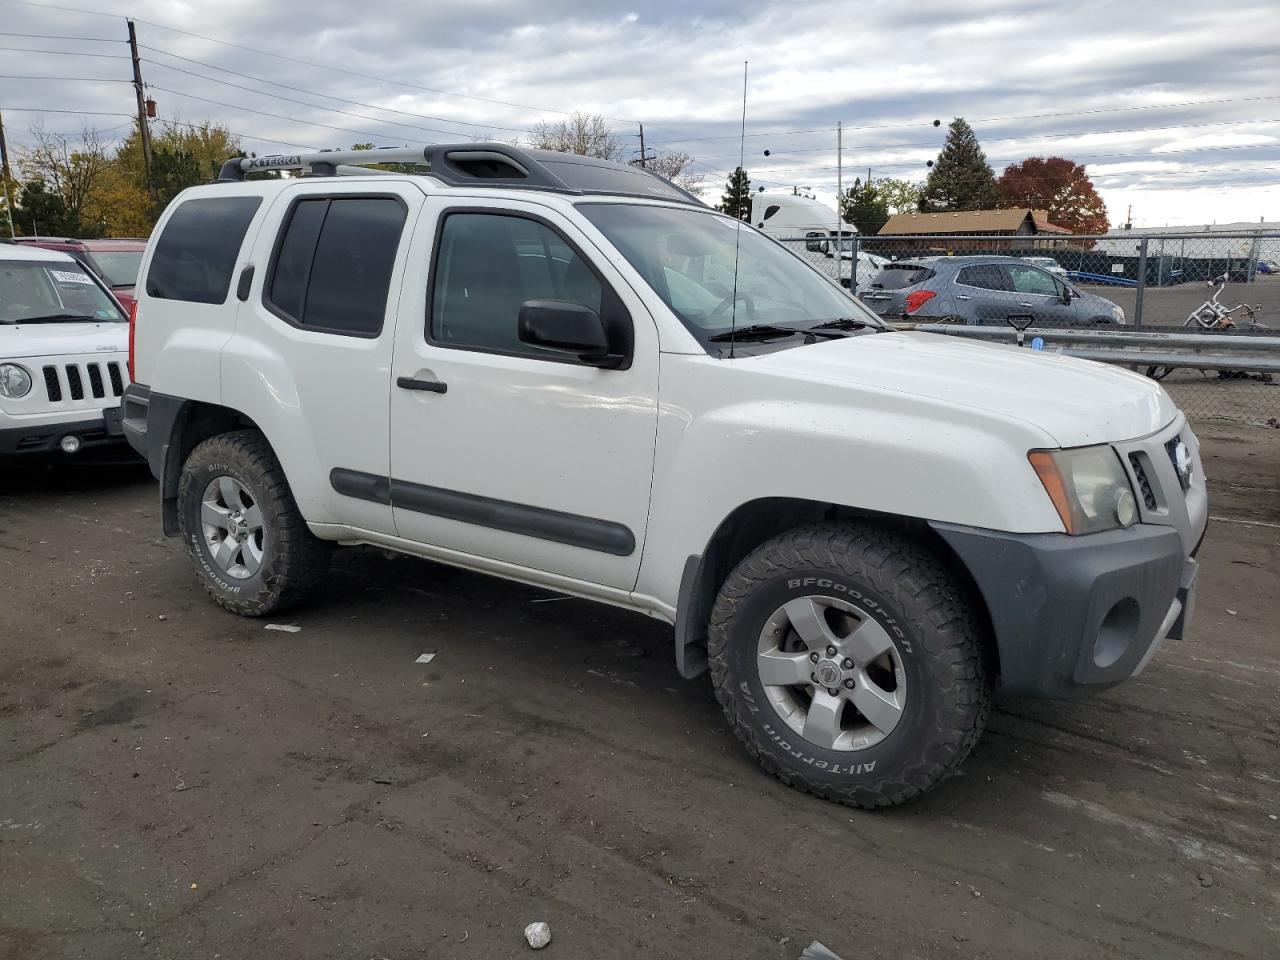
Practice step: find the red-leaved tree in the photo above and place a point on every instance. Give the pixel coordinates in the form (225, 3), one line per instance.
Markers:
(1058, 185)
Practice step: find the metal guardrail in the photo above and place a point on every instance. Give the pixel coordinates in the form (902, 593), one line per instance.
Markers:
(1195, 351)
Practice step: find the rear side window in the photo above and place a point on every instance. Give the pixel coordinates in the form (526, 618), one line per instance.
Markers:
(332, 269)
(899, 275)
(196, 253)
(987, 276)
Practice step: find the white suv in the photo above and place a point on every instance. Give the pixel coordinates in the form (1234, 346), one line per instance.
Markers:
(570, 373)
(63, 347)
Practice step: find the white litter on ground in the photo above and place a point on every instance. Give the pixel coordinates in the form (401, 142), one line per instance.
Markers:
(538, 934)
(284, 627)
(425, 658)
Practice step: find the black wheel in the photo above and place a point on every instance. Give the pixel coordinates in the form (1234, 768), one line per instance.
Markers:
(252, 550)
(851, 663)
(1159, 373)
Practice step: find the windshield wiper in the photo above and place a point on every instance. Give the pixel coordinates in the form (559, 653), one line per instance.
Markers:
(54, 317)
(755, 331)
(848, 323)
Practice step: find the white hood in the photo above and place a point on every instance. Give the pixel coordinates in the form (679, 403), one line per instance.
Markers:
(19, 340)
(1077, 402)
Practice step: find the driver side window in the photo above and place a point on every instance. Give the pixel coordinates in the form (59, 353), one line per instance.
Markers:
(486, 266)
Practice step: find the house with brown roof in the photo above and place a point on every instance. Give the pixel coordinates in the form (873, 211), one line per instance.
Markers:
(976, 223)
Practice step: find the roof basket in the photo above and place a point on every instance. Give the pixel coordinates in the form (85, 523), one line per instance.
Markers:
(487, 164)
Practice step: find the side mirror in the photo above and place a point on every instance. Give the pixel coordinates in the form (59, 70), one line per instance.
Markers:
(1067, 296)
(565, 327)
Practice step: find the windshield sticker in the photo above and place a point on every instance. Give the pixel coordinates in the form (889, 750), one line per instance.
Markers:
(62, 276)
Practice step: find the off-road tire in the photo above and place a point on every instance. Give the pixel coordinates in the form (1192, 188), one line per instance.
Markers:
(941, 637)
(294, 562)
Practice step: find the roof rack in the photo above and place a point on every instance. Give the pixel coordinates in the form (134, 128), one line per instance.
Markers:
(473, 164)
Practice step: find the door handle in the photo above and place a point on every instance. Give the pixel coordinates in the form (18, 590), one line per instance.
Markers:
(1025, 304)
(430, 386)
(963, 296)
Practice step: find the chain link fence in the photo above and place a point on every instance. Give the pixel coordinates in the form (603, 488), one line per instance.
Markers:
(1212, 284)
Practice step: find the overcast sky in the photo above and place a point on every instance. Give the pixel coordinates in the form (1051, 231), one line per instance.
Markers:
(1121, 87)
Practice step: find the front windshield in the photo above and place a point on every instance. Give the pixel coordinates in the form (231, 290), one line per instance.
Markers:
(119, 267)
(687, 257)
(52, 291)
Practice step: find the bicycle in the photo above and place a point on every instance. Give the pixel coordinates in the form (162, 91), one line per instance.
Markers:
(1214, 315)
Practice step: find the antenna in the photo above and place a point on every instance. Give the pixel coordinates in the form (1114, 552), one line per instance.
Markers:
(737, 230)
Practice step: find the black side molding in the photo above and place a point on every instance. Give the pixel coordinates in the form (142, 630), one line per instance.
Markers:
(589, 533)
(362, 486)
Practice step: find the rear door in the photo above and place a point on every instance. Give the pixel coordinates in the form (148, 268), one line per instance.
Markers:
(984, 294)
(316, 331)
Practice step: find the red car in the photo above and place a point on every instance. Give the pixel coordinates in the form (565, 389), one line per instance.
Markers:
(115, 261)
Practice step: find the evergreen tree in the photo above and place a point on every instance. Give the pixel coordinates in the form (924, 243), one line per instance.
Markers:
(961, 178)
(864, 207)
(40, 211)
(737, 195)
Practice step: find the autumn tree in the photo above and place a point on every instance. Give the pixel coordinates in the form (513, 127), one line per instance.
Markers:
(899, 196)
(737, 195)
(183, 155)
(864, 207)
(69, 167)
(675, 167)
(585, 134)
(961, 178)
(1059, 186)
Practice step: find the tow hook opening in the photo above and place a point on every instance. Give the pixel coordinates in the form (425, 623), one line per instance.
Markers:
(1116, 632)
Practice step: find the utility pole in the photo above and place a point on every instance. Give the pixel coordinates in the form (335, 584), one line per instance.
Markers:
(839, 199)
(144, 128)
(4, 172)
(642, 154)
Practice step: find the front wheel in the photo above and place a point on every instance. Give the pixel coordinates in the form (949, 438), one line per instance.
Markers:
(851, 663)
(251, 548)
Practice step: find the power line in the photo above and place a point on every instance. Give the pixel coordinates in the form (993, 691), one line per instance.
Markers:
(1029, 116)
(67, 53)
(875, 147)
(314, 106)
(80, 113)
(12, 76)
(60, 36)
(273, 116)
(325, 96)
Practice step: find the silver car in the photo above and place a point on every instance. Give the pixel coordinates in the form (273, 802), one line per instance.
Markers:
(982, 290)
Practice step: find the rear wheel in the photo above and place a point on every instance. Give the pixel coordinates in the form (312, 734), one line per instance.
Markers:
(252, 550)
(850, 662)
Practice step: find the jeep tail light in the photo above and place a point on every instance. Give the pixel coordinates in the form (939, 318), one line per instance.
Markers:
(133, 332)
(918, 299)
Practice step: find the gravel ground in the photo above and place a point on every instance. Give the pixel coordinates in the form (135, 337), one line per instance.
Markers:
(177, 782)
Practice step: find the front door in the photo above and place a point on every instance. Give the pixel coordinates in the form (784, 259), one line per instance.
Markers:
(1038, 293)
(511, 452)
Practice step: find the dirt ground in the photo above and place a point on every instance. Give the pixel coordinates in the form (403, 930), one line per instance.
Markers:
(176, 782)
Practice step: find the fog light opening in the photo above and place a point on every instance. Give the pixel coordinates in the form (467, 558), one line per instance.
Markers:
(69, 444)
(1116, 632)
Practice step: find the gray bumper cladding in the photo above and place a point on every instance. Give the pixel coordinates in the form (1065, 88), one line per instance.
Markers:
(1073, 614)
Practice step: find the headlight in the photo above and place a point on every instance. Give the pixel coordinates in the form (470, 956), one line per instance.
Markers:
(1088, 487)
(1118, 314)
(15, 382)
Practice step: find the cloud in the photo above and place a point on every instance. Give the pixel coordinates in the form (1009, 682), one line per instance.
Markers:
(1031, 78)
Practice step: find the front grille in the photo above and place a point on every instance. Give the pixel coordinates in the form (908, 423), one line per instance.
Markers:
(95, 381)
(75, 387)
(52, 385)
(1144, 484)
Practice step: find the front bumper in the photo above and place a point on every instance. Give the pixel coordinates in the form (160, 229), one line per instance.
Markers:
(101, 431)
(1078, 614)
